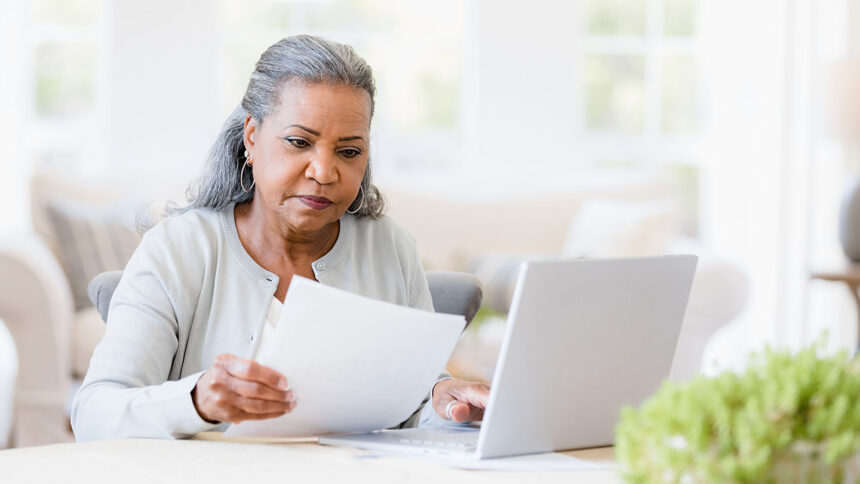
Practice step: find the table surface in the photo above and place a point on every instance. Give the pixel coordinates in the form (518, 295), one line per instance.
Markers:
(213, 458)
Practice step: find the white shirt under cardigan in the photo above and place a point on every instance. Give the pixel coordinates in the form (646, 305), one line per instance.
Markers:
(191, 292)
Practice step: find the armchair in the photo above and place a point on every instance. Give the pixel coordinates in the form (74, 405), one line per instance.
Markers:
(36, 307)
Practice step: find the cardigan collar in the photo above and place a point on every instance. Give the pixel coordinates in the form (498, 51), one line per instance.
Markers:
(325, 267)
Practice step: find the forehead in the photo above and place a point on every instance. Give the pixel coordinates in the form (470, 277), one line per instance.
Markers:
(326, 107)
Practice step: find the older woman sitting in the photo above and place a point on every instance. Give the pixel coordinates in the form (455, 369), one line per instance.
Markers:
(287, 190)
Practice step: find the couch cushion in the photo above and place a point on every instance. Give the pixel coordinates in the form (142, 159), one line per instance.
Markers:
(90, 240)
(619, 228)
(112, 192)
(454, 221)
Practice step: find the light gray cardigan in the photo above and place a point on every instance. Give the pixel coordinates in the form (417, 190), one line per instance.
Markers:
(191, 292)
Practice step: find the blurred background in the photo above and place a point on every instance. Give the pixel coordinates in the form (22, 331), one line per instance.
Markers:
(504, 130)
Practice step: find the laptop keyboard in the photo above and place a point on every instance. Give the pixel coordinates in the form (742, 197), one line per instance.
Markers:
(443, 438)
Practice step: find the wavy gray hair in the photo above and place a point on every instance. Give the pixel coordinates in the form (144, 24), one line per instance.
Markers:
(301, 57)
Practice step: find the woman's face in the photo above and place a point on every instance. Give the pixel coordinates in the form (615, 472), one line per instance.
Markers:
(310, 154)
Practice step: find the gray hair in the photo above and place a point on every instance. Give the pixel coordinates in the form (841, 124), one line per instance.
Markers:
(302, 57)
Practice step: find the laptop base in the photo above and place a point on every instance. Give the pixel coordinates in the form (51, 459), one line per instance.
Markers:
(454, 441)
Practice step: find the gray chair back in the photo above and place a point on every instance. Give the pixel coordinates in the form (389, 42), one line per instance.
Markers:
(452, 292)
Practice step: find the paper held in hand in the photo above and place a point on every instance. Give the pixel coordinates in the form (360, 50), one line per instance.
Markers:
(354, 364)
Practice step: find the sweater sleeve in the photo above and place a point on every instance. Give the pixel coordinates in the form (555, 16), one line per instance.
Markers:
(126, 392)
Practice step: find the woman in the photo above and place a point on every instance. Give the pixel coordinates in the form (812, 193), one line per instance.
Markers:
(287, 190)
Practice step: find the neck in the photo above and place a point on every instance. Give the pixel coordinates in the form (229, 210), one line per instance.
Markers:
(265, 235)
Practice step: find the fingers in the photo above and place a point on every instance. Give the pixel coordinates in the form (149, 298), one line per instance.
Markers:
(238, 415)
(460, 411)
(256, 390)
(232, 391)
(463, 412)
(222, 380)
(251, 370)
(220, 404)
(470, 400)
(255, 406)
(474, 393)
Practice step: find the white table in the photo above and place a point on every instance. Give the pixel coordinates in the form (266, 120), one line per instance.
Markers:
(213, 459)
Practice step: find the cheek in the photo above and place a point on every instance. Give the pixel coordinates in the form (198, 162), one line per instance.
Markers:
(353, 178)
(277, 171)
(357, 170)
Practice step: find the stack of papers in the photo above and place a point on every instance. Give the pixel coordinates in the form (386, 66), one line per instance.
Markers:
(354, 364)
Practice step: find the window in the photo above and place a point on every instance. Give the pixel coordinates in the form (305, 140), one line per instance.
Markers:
(641, 90)
(63, 74)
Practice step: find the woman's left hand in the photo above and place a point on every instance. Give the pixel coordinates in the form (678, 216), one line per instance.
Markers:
(469, 400)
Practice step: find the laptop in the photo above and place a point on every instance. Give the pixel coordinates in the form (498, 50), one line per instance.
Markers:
(585, 337)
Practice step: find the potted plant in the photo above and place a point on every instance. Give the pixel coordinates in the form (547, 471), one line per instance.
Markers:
(787, 418)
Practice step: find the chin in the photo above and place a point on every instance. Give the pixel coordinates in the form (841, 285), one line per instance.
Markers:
(306, 218)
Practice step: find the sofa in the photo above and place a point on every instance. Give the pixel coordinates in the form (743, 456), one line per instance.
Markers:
(83, 227)
(80, 228)
(36, 307)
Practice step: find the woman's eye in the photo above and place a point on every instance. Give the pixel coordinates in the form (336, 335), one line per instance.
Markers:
(298, 142)
(350, 152)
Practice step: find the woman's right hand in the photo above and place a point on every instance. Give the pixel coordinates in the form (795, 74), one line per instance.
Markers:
(236, 389)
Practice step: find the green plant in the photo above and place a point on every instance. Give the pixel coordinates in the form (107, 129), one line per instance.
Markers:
(484, 314)
(796, 414)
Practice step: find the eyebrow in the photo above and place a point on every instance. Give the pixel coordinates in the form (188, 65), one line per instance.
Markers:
(317, 133)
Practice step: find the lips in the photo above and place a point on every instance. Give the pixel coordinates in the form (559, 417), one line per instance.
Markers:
(316, 203)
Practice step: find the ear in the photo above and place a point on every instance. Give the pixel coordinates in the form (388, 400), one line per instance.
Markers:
(250, 134)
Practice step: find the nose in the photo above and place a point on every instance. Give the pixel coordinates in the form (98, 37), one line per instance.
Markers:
(322, 168)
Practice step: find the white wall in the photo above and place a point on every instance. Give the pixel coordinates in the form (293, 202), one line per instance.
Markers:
(13, 165)
(527, 86)
(744, 107)
(162, 71)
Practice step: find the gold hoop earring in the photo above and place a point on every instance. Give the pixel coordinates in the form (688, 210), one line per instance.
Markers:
(242, 178)
(360, 205)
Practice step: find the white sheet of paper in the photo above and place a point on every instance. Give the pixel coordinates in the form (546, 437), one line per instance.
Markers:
(354, 364)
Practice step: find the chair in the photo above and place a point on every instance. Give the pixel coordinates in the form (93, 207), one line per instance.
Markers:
(452, 292)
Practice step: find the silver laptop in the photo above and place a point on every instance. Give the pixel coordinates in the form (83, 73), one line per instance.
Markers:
(585, 337)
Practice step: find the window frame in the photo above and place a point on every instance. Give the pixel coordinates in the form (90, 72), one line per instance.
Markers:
(652, 147)
(62, 143)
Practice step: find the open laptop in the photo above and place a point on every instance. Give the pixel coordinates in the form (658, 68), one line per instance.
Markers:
(585, 337)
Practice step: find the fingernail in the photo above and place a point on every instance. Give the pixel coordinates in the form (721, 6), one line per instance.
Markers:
(289, 397)
(282, 384)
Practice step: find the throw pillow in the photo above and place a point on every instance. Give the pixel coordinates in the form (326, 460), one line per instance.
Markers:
(91, 239)
(605, 227)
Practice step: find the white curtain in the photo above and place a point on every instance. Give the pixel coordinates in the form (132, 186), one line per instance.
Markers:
(771, 178)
